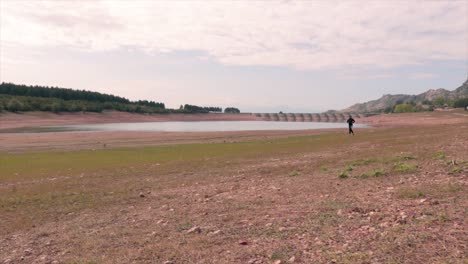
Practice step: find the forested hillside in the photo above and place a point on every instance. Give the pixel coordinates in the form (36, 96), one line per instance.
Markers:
(22, 98)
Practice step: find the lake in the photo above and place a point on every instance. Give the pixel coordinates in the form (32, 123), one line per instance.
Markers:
(202, 126)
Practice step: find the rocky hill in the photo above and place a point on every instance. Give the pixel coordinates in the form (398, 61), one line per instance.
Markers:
(389, 101)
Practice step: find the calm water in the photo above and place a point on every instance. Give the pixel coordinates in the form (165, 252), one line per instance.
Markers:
(204, 126)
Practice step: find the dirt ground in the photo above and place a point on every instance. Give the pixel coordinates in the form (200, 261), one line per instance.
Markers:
(394, 193)
(35, 119)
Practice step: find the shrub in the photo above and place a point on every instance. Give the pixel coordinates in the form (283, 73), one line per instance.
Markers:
(404, 108)
(14, 105)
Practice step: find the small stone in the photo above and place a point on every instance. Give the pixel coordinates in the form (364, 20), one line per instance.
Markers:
(28, 251)
(292, 259)
(243, 242)
(422, 201)
(269, 224)
(339, 212)
(216, 232)
(195, 229)
(142, 195)
(277, 262)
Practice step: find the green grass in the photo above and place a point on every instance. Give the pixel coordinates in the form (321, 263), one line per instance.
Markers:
(406, 157)
(49, 164)
(410, 193)
(402, 167)
(364, 161)
(343, 175)
(375, 173)
(294, 173)
(439, 155)
(456, 170)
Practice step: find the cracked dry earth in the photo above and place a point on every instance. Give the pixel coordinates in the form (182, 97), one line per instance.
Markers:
(401, 198)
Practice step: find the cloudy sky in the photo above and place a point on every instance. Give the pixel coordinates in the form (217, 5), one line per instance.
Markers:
(295, 56)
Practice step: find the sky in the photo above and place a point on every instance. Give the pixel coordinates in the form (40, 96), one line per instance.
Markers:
(259, 56)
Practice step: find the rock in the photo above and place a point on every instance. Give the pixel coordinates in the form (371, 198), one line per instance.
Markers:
(339, 212)
(268, 224)
(292, 259)
(168, 262)
(215, 232)
(7, 261)
(422, 201)
(142, 195)
(28, 251)
(195, 229)
(277, 262)
(243, 243)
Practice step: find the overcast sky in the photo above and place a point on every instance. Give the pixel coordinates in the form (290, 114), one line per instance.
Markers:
(293, 56)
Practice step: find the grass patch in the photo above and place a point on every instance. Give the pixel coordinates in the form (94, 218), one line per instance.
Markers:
(439, 155)
(456, 170)
(375, 173)
(343, 175)
(443, 217)
(406, 157)
(378, 173)
(278, 255)
(348, 168)
(410, 193)
(364, 162)
(294, 173)
(323, 168)
(403, 167)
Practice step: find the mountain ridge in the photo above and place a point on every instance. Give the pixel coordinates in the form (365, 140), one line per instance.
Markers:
(388, 101)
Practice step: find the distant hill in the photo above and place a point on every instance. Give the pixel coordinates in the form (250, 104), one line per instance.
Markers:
(388, 101)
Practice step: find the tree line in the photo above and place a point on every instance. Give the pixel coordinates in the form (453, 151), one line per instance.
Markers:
(426, 105)
(22, 98)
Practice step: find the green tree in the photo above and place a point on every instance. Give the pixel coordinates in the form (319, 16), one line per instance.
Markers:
(439, 101)
(231, 110)
(461, 102)
(14, 105)
(403, 108)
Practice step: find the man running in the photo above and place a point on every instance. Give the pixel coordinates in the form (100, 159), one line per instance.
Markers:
(350, 124)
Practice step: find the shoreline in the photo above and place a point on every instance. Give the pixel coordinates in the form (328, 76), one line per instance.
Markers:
(38, 119)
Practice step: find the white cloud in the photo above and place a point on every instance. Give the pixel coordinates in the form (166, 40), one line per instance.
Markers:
(301, 35)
